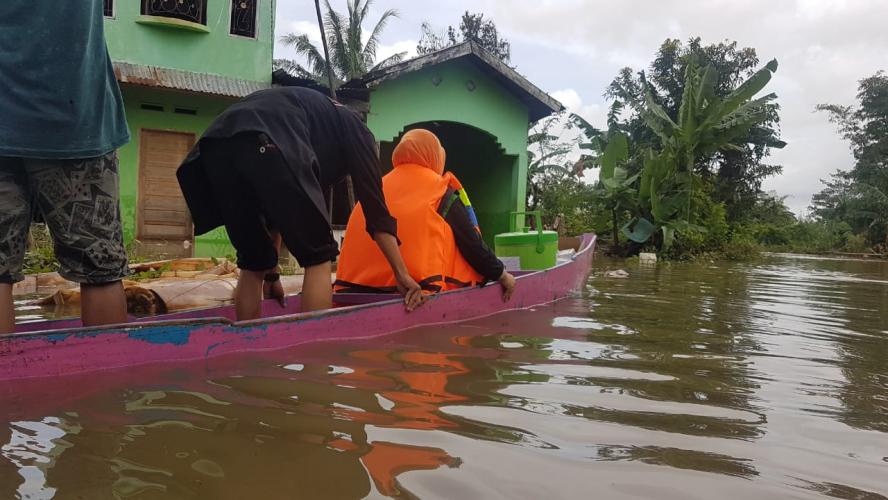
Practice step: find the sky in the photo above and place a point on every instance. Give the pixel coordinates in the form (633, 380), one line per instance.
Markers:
(573, 48)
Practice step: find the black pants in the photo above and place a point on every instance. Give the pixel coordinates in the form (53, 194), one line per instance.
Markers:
(256, 190)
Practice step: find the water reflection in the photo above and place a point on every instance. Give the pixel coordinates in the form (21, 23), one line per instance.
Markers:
(734, 381)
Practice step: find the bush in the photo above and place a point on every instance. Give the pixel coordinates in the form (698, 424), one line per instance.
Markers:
(770, 235)
(742, 246)
(857, 243)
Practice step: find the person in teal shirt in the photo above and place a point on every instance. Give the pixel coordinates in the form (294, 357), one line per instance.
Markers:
(61, 122)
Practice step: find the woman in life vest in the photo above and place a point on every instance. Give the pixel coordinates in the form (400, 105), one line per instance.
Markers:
(440, 239)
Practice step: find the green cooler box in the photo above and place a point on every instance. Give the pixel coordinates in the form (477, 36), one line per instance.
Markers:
(536, 250)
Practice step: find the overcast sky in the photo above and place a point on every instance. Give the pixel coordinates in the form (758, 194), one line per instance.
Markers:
(573, 49)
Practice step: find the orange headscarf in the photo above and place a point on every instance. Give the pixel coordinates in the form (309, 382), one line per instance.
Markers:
(420, 147)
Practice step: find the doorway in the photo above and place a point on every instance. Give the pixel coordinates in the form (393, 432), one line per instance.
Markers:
(164, 226)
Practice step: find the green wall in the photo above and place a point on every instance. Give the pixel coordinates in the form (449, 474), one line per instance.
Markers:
(214, 244)
(488, 152)
(216, 52)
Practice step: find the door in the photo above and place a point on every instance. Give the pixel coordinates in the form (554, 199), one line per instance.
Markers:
(164, 222)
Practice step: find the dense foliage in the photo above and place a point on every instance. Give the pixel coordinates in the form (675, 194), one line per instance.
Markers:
(471, 27)
(735, 175)
(858, 198)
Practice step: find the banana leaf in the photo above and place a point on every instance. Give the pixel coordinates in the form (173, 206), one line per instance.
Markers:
(617, 151)
(639, 230)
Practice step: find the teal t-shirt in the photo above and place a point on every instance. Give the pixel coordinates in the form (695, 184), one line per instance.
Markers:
(59, 97)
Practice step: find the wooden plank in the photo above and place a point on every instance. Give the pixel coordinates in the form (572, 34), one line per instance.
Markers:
(160, 200)
(162, 187)
(163, 213)
(169, 217)
(161, 231)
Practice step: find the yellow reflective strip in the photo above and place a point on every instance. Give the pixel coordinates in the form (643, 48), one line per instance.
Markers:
(464, 198)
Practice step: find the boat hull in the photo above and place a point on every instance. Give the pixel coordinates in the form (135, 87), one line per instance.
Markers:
(200, 335)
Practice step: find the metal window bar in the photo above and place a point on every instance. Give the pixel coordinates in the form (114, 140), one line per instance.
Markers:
(244, 14)
(194, 11)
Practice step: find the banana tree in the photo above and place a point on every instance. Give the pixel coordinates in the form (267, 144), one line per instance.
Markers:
(706, 123)
(608, 151)
(615, 186)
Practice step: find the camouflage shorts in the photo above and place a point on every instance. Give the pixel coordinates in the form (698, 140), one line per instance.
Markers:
(79, 201)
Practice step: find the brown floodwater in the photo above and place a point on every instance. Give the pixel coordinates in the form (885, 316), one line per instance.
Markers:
(765, 380)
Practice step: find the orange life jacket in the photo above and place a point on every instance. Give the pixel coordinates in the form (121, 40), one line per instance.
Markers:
(413, 194)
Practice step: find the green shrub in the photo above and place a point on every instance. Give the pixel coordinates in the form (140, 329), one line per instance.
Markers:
(742, 246)
(857, 243)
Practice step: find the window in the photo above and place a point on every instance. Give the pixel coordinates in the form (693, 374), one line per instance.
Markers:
(194, 11)
(152, 107)
(109, 8)
(243, 18)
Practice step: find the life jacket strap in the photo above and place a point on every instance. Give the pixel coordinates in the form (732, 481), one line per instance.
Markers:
(459, 284)
(428, 285)
(348, 287)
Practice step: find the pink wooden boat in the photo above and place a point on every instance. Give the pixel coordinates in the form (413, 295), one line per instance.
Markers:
(57, 348)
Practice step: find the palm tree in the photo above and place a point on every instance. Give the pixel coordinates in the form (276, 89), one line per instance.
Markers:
(351, 56)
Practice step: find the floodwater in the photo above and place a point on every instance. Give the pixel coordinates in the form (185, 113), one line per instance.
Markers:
(765, 380)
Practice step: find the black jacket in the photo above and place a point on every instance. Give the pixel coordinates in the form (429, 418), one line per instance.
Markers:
(321, 141)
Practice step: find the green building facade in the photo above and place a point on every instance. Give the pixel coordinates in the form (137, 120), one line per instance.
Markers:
(182, 62)
(179, 63)
(480, 108)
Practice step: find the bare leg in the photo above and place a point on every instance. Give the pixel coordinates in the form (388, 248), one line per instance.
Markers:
(317, 290)
(248, 295)
(103, 304)
(7, 311)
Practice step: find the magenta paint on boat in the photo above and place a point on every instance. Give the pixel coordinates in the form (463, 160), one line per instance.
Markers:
(208, 333)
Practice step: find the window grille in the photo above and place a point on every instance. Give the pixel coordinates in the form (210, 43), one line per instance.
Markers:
(194, 11)
(243, 18)
(109, 8)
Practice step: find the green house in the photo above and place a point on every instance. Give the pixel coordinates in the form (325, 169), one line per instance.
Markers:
(182, 62)
(179, 63)
(479, 107)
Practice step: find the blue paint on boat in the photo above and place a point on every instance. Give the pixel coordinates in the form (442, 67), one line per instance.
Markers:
(174, 335)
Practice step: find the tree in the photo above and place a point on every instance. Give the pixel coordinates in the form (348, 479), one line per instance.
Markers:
(351, 57)
(706, 124)
(608, 151)
(546, 156)
(859, 197)
(471, 27)
(552, 184)
(735, 175)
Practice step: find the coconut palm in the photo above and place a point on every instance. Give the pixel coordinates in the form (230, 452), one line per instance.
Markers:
(351, 54)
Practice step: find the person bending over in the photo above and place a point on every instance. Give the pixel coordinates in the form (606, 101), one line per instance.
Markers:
(266, 162)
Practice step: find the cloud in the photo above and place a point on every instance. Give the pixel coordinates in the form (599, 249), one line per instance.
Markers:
(573, 48)
(594, 113)
(824, 48)
(385, 51)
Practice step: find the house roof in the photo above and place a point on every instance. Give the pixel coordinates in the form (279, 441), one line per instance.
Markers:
(189, 81)
(539, 103)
